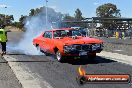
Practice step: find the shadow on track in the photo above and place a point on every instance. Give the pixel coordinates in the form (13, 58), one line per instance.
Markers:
(15, 54)
(43, 58)
(23, 58)
(30, 61)
(86, 61)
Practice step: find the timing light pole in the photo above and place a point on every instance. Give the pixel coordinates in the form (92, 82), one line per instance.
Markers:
(46, 17)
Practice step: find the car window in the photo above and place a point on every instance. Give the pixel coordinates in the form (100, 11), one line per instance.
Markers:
(48, 34)
(59, 33)
(55, 34)
(45, 34)
(76, 33)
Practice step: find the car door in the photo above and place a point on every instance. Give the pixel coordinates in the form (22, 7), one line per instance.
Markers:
(46, 41)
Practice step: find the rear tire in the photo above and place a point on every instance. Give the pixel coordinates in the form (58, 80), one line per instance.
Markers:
(40, 51)
(59, 57)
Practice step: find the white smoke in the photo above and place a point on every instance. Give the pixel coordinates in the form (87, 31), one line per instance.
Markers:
(34, 26)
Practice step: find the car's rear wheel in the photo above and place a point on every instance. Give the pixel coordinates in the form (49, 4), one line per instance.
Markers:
(39, 49)
(59, 57)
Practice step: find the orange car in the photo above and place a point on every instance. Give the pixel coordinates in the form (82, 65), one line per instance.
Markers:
(68, 42)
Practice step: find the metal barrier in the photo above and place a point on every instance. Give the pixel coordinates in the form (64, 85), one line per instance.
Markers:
(110, 33)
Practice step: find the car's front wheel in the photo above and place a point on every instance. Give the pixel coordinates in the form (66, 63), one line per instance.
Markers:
(58, 56)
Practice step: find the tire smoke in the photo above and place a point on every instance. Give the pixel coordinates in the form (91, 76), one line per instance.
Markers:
(34, 26)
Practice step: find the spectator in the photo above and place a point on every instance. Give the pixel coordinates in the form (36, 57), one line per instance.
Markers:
(123, 35)
(130, 34)
(3, 39)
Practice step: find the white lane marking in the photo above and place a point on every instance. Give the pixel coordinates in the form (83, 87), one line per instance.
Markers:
(118, 50)
(24, 75)
(117, 57)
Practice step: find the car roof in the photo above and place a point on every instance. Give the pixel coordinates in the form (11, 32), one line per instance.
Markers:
(60, 29)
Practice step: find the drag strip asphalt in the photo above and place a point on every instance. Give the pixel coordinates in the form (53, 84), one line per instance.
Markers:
(39, 71)
(25, 77)
(45, 72)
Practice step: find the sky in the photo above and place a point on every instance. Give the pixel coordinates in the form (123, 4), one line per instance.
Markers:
(88, 7)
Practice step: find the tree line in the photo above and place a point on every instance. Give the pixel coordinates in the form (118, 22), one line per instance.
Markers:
(105, 10)
(6, 19)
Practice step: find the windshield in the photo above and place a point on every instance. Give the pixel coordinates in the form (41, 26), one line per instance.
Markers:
(69, 33)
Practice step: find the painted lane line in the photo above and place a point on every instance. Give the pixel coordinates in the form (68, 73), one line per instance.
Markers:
(118, 50)
(117, 57)
(24, 75)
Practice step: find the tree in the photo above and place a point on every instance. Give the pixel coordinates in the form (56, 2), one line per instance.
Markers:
(52, 15)
(9, 19)
(20, 24)
(67, 17)
(22, 19)
(78, 15)
(108, 10)
(66, 20)
(6, 19)
(71, 21)
(32, 12)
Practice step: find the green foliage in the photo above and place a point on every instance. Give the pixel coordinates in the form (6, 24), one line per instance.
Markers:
(108, 10)
(20, 24)
(67, 17)
(78, 15)
(66, 20)
(52, 15)
(22, 19)
(6, 19)
(17, 24)
(32, 12)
